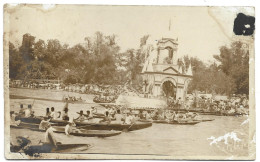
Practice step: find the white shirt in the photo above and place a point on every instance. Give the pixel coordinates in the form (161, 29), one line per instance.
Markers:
(128, 119)
(27, 113)
(118, 118)
(68, 129)
(53, 115)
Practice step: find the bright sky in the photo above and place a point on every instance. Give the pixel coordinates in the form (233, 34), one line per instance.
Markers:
(200, 30)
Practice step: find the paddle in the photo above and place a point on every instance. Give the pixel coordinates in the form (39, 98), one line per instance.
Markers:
(131, 126)
(33, 102)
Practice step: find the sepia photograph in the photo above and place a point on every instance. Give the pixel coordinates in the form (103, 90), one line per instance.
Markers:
(129, 82)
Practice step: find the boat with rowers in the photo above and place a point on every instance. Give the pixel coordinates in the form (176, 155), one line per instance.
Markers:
(172, 122)
(34, 150)
(89, 125)
(61, 129)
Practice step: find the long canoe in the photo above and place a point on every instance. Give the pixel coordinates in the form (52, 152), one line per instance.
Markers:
(114, 126)
(89, 133)
(82, 133)
(173, 122)
(34, 150)
(92, 126)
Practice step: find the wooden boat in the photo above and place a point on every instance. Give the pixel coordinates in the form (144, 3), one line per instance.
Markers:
(172, 122)
(88, 133)
(34, 150)
(184, 122)
(228, 114)
(35, 120)
(58, 129)
(95, 115)
(98, 100)
(207, 113)
(92, 126)
(114, 126)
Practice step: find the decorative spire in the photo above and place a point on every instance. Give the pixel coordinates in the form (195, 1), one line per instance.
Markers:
(170, 23)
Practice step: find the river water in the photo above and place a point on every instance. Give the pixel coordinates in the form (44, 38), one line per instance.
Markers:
(224, 137)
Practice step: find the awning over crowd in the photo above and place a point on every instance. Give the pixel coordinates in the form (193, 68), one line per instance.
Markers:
(139, 102)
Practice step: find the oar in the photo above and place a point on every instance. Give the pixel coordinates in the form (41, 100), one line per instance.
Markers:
(33, 103)
(131, 126)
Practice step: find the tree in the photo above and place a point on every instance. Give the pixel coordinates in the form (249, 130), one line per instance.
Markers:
(39, 50)
(234, 62)
(27, 48)
(15, 61)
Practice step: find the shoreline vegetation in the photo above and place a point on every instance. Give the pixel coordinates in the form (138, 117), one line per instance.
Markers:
(99, 61)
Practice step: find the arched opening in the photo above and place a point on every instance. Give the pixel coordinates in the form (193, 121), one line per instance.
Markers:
(169, 89)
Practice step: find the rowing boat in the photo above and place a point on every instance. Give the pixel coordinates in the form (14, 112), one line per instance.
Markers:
(33, 150)
(61, 129)
(114, 126)
(173, 122)
(88, 133)
(92, 126)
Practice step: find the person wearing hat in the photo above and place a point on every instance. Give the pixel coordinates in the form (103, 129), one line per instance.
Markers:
(81, 117)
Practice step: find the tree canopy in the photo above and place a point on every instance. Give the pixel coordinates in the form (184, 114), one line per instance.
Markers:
(99, 60)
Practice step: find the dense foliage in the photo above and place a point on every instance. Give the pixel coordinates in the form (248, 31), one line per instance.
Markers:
(229, 75)
(97, 60)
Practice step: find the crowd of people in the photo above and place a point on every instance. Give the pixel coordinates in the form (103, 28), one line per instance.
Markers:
(237, 104)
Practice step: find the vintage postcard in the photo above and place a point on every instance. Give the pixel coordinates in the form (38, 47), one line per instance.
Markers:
(129, 82)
